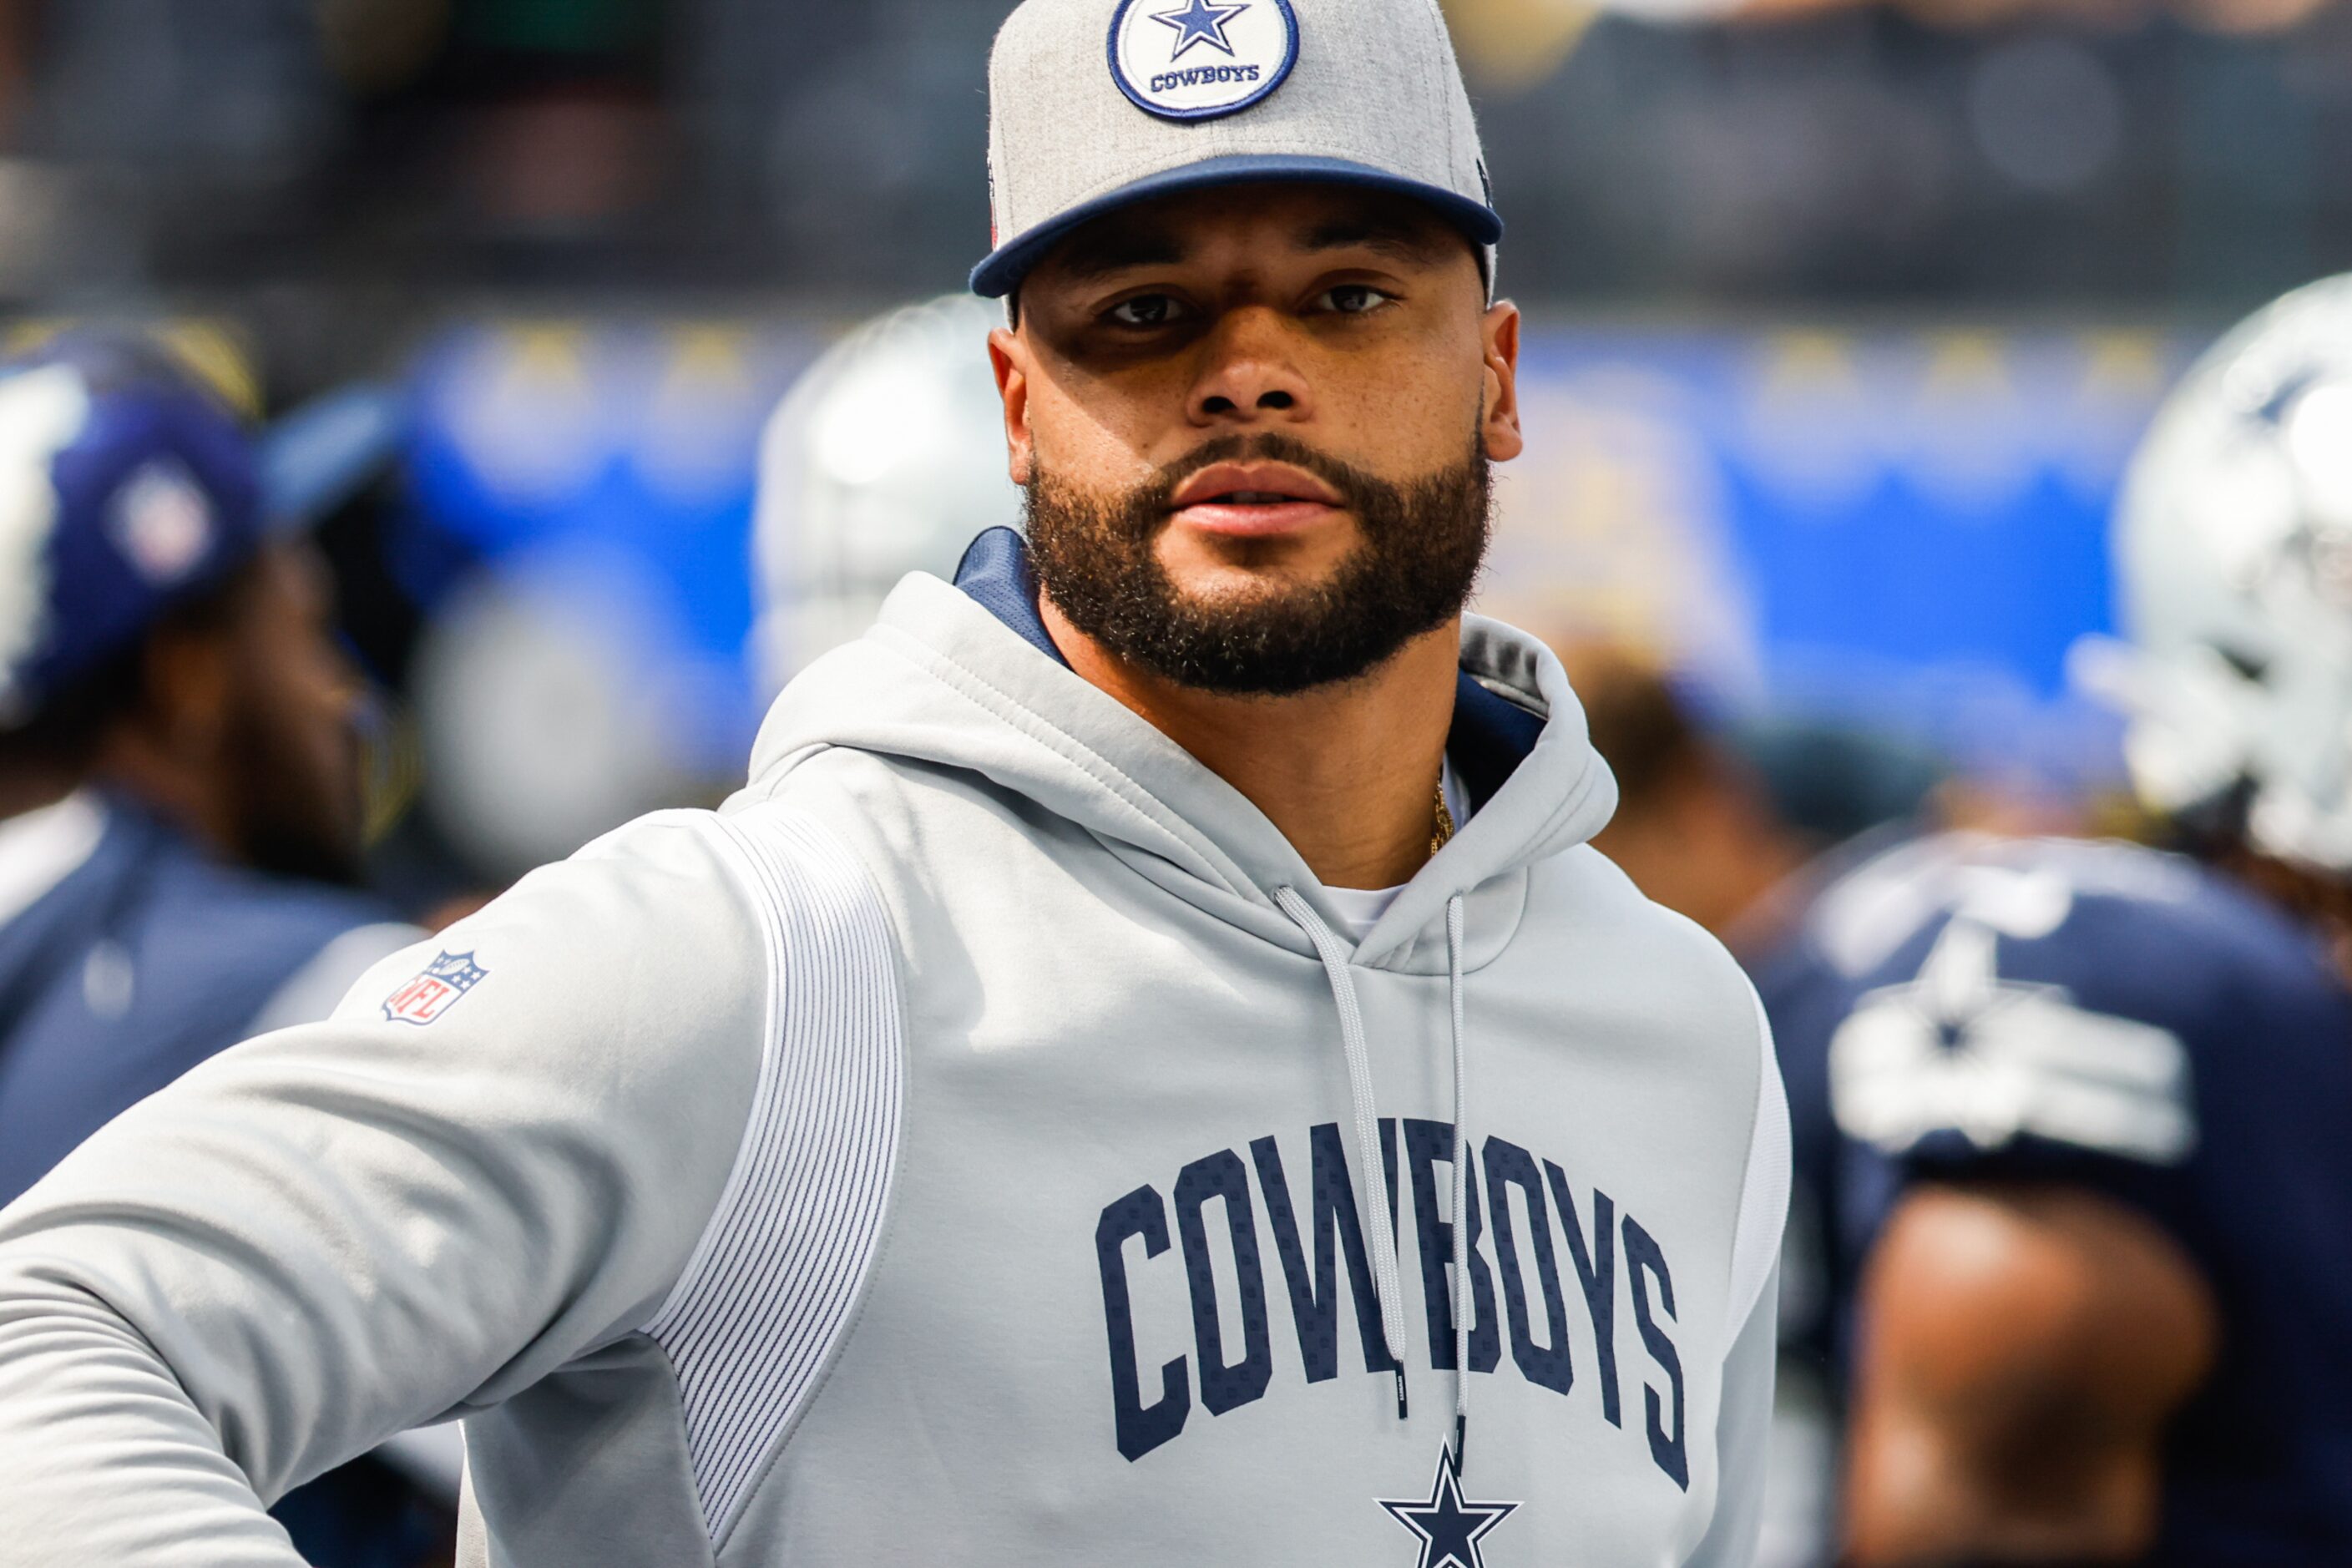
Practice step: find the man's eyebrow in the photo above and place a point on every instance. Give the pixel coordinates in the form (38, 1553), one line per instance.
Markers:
(1091, 255)
(1404, 238)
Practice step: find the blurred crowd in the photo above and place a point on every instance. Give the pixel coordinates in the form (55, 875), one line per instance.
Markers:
(1974, 151)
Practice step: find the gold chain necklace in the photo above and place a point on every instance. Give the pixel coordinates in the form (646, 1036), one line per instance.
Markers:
(1444, 829)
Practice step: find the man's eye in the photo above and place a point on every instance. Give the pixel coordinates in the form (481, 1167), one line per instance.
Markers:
(1146, 311)
(1353, 298)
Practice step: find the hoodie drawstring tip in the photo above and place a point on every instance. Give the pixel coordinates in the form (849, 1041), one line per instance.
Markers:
(1400, 1377)
(1461, 1443)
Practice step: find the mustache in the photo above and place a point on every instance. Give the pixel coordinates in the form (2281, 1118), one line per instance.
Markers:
(1355, 486)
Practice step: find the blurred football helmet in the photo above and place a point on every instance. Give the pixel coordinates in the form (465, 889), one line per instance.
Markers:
(2233, 557)
(885, 457)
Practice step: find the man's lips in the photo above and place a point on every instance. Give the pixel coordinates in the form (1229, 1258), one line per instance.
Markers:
(1252, 500)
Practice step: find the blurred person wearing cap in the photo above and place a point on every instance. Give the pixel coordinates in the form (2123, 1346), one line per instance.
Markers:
(1696, 827)
(180, 783)
(180, 779)
(2094, 1094)
(969, 1143)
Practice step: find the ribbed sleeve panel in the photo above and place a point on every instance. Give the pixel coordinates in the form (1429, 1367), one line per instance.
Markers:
(771, 1285)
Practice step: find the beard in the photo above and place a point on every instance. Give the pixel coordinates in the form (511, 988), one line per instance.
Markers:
(1412, 571)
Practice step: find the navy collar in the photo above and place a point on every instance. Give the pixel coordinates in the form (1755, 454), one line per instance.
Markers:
(995, 571)
(1490, 737)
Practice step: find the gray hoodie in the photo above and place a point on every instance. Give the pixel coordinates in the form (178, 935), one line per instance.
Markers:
(971, 1145)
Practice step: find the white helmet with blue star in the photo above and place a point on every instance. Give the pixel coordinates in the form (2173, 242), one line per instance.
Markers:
(886, 456)
(2233, 556)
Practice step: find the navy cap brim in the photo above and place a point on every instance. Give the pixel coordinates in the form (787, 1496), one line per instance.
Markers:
(1004, 266)
(323, 453)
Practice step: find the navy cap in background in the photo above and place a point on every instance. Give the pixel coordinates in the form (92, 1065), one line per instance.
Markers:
(127, 487)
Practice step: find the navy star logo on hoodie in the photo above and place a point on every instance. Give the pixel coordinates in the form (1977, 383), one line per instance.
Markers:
(1449, 1527)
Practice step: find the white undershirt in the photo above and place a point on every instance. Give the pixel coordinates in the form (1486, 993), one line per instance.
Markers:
(1358, 910)
(41, 847)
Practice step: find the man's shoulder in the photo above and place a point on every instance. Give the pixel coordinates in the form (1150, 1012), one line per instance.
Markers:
(1595, 903)
(216, 939)
(2054, 1006)
(1665, 979)
(677, 915)
(661, 890)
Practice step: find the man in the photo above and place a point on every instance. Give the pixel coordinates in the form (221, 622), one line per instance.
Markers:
(972, 1145)
(180, 790)
(180, 784)
(2098, 1095)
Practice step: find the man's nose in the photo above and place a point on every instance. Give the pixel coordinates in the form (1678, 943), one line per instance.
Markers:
(1248, 375)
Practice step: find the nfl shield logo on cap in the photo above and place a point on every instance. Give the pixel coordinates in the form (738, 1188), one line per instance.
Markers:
(1201, 58)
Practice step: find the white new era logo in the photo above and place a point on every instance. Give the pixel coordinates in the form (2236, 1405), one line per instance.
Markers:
(161, 521)
(1195, 59)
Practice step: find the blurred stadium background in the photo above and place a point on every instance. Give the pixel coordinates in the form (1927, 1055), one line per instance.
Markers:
(1845, 317)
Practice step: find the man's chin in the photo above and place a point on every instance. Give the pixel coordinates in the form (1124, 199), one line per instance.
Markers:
(1243, 594)
(1235, 573)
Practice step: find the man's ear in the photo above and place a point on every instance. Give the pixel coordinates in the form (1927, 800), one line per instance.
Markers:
(1009, 356)
(1499, 421)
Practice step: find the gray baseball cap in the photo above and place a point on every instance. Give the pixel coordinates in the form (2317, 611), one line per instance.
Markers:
(1094, 104)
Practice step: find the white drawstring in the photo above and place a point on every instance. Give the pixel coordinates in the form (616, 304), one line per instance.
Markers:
(1385, 1283)
(1461, 1157)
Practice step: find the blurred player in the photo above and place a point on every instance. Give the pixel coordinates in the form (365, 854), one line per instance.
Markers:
(2099, 1096)
(180, 784)
(886, 456)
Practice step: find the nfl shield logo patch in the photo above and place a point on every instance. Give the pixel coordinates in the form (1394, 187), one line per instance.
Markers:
(428, 995)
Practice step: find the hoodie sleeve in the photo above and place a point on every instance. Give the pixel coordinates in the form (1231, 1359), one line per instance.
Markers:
(1743, 1436)
(419, 1206)
(1744, 1419)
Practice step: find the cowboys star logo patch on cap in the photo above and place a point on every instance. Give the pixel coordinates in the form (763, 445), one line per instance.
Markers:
(1195, 59)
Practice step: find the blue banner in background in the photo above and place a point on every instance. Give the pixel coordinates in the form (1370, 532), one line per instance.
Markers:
(616, 461)
(1901, 526)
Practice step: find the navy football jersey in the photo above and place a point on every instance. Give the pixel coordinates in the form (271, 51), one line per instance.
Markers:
(2129, 1021)
(128, 956)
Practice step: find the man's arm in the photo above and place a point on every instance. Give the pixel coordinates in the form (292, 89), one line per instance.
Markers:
(1743, 1424)
(1743, 1437)
(2022, 1348)
(334, 1233)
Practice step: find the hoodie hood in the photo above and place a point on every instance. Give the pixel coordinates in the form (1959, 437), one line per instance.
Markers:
(963, 676)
